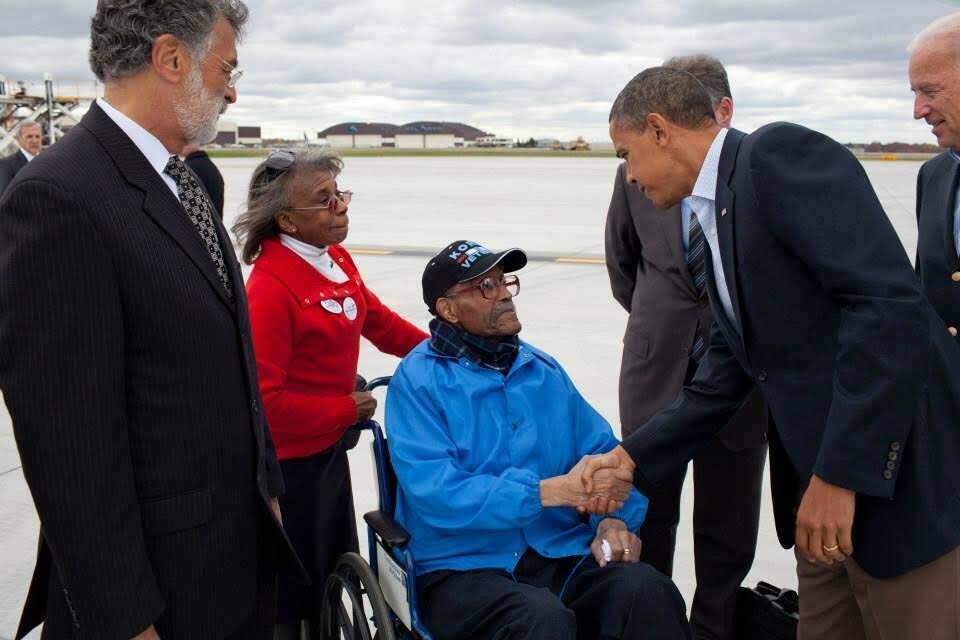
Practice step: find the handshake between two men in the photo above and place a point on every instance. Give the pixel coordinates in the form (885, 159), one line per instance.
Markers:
(598, 485)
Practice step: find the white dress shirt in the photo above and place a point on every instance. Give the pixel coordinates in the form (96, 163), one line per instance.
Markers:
(26, 154)
(316, 257)
(703, 201)
(152, 149)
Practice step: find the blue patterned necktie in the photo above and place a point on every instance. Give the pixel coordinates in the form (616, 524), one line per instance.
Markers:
(696, 263)
(199, 210)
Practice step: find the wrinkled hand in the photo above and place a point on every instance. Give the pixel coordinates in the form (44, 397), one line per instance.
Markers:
(825, 522)
(275, 507)
(366, 405)
(625, 546)
(149, 634)
(617, 458)
(569, 490)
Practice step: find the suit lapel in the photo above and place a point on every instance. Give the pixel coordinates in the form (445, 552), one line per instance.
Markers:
(159, 202)
(725, 217)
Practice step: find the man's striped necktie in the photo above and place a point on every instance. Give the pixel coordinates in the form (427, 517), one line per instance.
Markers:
(696, 255)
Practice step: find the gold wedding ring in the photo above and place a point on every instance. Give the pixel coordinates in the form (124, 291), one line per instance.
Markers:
(831, 549)
(626, 551)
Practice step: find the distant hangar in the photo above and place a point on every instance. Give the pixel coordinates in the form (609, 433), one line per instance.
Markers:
(414, 135)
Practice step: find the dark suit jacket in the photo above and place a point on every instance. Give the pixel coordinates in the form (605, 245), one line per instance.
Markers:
(130, 379)
(858, 370)
(209, 177)
(9, 167)
(937, 261)
(650, 279)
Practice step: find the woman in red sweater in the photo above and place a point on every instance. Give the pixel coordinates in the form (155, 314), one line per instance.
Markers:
(308, 308)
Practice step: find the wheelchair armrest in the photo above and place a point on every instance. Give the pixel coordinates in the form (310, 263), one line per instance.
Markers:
(387, 528)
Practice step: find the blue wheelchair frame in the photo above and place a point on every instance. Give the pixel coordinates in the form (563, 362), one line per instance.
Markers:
(383, 531)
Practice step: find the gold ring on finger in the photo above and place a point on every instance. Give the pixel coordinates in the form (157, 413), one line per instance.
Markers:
(626, 551)
(831, 549)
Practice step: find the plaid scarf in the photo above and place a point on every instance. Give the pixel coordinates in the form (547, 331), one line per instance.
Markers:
(452, 341)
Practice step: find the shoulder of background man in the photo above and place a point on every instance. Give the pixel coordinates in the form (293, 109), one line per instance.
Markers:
(74, 164)
(937, 166)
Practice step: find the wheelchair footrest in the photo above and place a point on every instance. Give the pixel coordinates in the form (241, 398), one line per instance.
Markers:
(392, 534)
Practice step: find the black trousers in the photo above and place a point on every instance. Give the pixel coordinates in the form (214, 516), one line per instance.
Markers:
(318, 517)
(727, 487)
(554, 599)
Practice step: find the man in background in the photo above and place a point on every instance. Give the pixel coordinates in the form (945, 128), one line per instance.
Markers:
(656, 264)
(197, 159)
(935, 81)
(30, 138)
(125, 353)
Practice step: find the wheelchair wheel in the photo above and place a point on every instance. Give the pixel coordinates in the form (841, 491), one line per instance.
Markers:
(344, 614)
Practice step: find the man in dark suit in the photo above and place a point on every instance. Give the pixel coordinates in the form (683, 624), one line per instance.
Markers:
(143, 442)
(936, 86)
(656, 264)
(817, 304)
(210, 177)
(30, 138)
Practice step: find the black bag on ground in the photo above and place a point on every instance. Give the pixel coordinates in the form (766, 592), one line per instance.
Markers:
(767, 613)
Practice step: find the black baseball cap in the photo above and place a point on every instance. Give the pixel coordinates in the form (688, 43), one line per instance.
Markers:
(461, 261)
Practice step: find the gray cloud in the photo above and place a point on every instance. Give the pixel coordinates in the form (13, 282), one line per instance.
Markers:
(531, 67)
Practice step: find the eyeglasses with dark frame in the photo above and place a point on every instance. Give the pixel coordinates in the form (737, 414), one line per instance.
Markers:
(490, 287)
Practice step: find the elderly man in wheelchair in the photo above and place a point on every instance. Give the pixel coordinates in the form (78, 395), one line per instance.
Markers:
(487, 435)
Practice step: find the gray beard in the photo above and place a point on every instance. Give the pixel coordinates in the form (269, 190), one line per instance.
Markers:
(199, 112)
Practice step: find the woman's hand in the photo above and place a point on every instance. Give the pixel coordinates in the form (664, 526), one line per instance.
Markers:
(366, 404)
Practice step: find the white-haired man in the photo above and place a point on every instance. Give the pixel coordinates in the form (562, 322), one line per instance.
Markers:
(935, 81)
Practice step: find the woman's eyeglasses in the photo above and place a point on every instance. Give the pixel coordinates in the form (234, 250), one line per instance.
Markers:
(342, 196)
(490, 287)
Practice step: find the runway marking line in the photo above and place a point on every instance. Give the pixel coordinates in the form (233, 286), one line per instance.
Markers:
(581, 260)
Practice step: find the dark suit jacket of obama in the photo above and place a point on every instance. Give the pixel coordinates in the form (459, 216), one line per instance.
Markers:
(129, 375)
(858, 370)
(650, 279)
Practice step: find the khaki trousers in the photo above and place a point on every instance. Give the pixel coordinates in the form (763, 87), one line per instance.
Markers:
(842, 602)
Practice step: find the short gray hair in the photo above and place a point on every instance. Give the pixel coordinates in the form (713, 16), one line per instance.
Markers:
(122, 32)
(947, 26)
(270, 193)
(676, 95)
(27, 124)
(708, 70)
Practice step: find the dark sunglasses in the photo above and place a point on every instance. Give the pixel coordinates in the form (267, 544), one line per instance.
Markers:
(278, 162)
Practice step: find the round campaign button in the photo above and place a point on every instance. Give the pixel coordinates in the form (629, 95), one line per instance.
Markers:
(349, 308)
(332, 306)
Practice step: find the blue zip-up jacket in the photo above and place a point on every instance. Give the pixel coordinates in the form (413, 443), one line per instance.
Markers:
(470, 447)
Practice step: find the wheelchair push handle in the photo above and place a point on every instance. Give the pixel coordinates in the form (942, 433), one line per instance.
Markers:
(375, 383)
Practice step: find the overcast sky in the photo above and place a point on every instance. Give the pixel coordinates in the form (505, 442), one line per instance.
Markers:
(529, 67)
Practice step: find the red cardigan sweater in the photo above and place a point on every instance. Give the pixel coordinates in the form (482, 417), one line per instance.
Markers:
(307, 353)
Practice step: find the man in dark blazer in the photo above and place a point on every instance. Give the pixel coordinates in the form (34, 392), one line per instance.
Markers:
(30, 138)
(651, 263)
(817, 304)
(125, 355)
(210, 177)
(936, 86)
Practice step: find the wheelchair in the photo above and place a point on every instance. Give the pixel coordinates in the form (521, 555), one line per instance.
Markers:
(388, 581)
